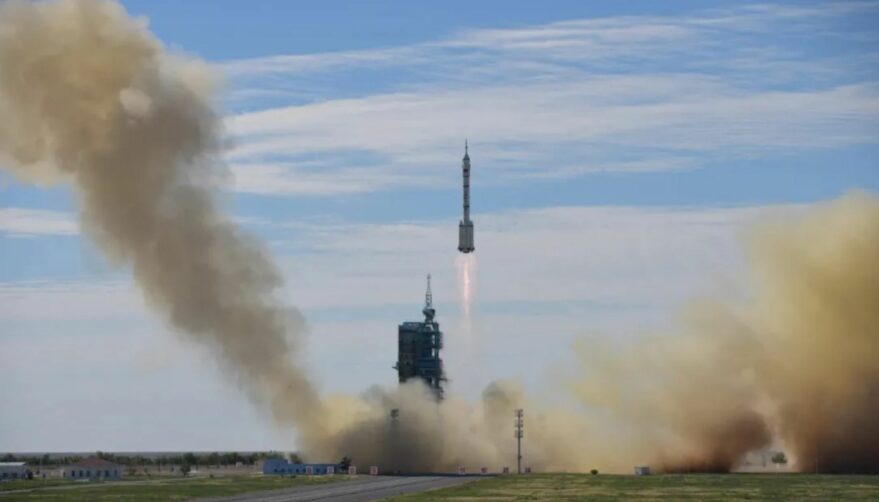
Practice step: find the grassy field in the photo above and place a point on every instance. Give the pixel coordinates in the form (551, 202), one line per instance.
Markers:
(167, 489)
(795, 487)
(21, 484)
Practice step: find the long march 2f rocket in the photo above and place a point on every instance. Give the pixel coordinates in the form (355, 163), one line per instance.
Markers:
(465, 228)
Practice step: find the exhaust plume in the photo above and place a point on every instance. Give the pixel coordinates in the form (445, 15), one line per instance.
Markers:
(465, 341)
(798, 367)
(465, 264)
(794, 367)
(431, 437)
(88, 95)
(818, 317)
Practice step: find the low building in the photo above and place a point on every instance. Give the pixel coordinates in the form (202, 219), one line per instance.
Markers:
(283, 467)
(93, 468)
(14, 470)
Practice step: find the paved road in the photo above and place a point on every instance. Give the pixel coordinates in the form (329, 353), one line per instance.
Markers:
(361, 489)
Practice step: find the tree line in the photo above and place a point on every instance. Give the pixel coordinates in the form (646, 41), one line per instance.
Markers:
(189, 458)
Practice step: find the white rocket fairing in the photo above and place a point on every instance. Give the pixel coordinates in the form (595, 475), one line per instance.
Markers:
(465, 228)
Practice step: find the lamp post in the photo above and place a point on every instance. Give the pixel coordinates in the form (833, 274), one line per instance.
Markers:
(520, 432)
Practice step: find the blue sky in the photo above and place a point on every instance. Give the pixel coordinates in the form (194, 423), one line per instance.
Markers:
(619, 149)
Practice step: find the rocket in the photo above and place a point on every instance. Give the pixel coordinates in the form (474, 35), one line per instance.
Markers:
(465, 227)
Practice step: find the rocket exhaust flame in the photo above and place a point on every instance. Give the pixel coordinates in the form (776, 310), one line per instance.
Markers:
(88, 95)
(466, 267)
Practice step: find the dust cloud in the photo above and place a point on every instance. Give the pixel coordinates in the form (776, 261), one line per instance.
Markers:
(88, 96)
(795, 367)
(818, 318)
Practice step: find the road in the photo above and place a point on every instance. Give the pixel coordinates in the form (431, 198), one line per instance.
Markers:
(360, 489)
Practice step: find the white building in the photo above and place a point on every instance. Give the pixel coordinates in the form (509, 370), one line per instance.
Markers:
(13, 470)
(93, 468)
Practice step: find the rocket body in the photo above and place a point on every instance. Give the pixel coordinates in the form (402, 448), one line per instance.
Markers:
(465, 227)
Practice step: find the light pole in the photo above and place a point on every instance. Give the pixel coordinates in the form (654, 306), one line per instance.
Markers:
(520, 432)
(396, 452)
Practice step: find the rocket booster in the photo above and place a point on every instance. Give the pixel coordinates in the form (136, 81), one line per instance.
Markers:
(465, 227)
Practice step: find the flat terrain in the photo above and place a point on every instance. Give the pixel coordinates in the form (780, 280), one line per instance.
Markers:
(30, 484)
(795, 487)
(162, 489)
(361, 489)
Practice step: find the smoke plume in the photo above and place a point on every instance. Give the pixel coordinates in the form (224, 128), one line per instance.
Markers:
(797, 366)
(88, 95)
(431, 437)
(817, 316)
(793, 367)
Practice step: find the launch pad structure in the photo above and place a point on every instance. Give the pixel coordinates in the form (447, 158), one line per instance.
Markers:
(419, 344)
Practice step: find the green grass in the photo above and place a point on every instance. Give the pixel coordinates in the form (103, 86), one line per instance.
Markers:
(795, 487)
(167, 489)
(22, 484)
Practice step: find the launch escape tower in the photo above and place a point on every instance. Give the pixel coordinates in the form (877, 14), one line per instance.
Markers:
(419, 344)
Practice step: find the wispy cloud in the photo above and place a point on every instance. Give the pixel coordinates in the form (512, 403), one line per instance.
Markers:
(64, 300)
(566, 127)
(316, 63)
(626, 42)
(557, 100)
(614, 254)
(21, 222)
(290, 179)
(611, 255)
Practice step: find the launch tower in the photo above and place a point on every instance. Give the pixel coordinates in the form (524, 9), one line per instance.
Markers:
(419, 344)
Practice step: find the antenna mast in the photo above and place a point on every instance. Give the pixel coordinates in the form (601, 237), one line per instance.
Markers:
(428, 296)
(428, 309)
